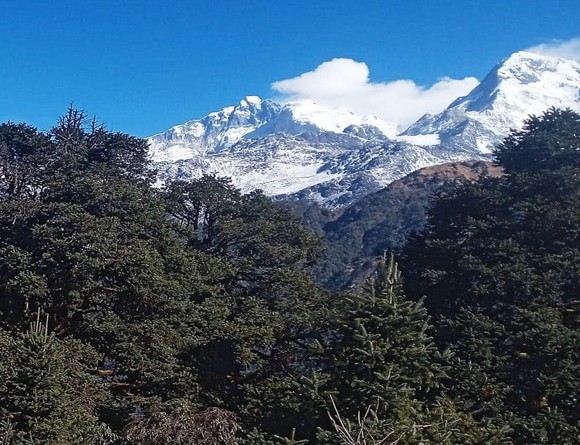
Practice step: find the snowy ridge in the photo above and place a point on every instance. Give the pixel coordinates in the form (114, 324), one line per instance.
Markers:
(521, 85)
(212, 133)
(255, 118)
(305, 151)
(298, 117)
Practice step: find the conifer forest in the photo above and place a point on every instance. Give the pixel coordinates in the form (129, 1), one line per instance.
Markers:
(139, 313)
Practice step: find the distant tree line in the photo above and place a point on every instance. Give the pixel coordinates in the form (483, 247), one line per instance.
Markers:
(187, 314)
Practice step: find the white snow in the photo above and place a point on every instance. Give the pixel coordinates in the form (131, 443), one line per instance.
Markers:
(484, 145)
(523, 84)
(335, 119)
(322, 152)
(420, 139)
(528, 84)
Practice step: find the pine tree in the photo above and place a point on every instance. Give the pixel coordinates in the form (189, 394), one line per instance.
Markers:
(385, 350)
(387, 365)
(182, 425)
(47, 395)
(272, 311)
(500, 266)
(199, 294)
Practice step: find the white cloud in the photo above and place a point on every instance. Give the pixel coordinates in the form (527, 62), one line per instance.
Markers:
(567, 49)
(345, 82)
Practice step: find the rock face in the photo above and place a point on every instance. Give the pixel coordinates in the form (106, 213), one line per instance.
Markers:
(523, 84)
(301, 150)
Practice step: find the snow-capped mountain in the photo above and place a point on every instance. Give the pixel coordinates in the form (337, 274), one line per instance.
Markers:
(301, 148)
(214, 132)
(255, 118)
(523, 84)
(281, 149)
(335, 157)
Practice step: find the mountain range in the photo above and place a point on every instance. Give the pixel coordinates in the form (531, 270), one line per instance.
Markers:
(302, 150)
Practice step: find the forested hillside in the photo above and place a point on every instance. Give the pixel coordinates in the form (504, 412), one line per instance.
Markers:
(356, 237)
(186, 314)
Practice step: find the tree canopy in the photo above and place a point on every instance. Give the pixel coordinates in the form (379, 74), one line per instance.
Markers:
(499, 264)
(186, 313)
(193, 296)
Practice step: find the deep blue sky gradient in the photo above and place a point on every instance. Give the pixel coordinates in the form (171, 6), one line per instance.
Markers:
(143, 65)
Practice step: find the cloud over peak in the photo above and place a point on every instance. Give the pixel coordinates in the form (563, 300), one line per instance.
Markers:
(567, 49)
(346, 82)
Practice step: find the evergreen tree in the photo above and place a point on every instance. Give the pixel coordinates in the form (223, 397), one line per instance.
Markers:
(182, 425)
(93, 247)
(24, 152)
(47, 395)
(257, 355)
(198, 296)
(387, 364)
(385, 351)
(546, 142)
(499, 264)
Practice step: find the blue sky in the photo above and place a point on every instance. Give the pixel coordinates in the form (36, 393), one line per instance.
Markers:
(141, 66)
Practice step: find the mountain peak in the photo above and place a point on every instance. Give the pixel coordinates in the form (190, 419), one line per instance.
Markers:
(524, 83)
(527, 67)
(524, 56)
(254, 118)
(334, 156)
(337, 119)
(251, 100)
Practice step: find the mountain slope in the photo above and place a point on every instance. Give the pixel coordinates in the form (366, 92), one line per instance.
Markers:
(284, 150)
(255, 118)
(302, 150)
(297, 151)
(212, 133)
(523, 84)
(383, 220)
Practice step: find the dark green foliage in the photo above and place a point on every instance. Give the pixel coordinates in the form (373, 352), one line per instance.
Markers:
(379, 222)
(248, 230)
(184, 426)
(547, 142)
(85, 239)
(357, 236)
(500, 265)
(47, 395)
(260, 341)
(95, 250)
(24, 151)
(518, 239)
(92, 247)
(386, 363)
(384, 351)
(198, 294)
(311, 214)
(186, 315)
